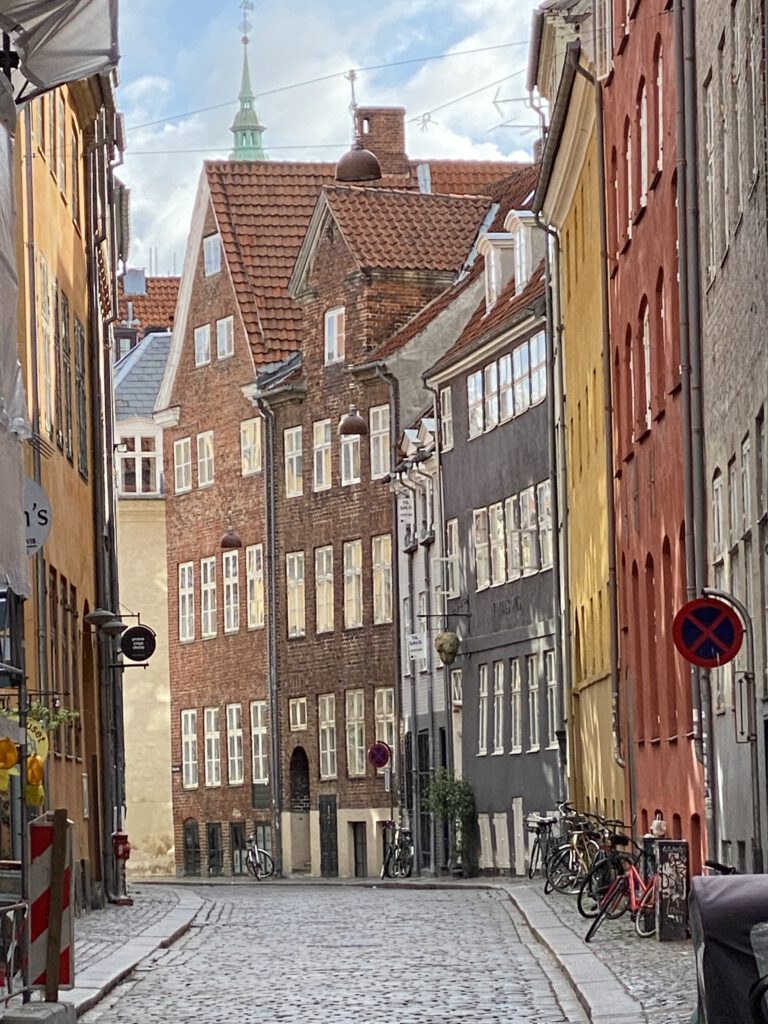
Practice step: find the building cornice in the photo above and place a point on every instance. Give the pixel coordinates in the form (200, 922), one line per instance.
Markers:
(168, 417)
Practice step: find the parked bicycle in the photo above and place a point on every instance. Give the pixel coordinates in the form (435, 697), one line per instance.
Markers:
(258, 861)
(398, 857)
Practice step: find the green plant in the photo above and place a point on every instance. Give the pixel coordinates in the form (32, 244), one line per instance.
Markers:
(51, 717)
(453, 801)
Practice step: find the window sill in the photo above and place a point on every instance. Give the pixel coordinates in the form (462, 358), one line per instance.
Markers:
(382, 622)
(325, 632)
(481, 753)
(297, 636)
(496, 753)
(206, 362)
(223, 358)
(516, 750)
(212, 785)
(182, 490)
(294, 494)
(533, 750)
(321, 490)
(351, 629)
(204, 487)
(328, 778)
(349, 483)
(235, 785)
(208, 636)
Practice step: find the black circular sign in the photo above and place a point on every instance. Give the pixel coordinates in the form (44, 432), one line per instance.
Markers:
(138, 643)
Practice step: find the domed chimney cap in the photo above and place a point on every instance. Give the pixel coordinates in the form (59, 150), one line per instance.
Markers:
(358, 164)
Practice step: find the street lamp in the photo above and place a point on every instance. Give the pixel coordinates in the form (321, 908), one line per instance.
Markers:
(352, 424)
(231, 540)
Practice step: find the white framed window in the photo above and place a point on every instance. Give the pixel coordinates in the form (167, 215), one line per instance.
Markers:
(203, 345)
(326, 728)
(384, 708)
(321, 455)
(292, 447)
(647, 375)
(355, 720)
(718, 534)
(231, 573)
(250, 446)
(521, 378)
(212, 747)
(182, 465)
(514, 546)
(446, 419)
(235, 767)
(533, 701)
(643, 117)
(294, 572)
(225, 337)
(378, 418)
(452, 558)
(259, 743)
(254, 582)
(629, 171)
(422, 626)
(189, 749)
(381, 557)
(350, 459)
(710, 217)
(529, 530)
(140, 464)
(482, 710)
(491, 381)
(353, 584)
(297, 713)
(211, 254)
(746, 484)
(482, 559)
(506, 392)
(205, 469)
(475, 403)
(334, 335)
(498, 707)
(457, 694)
(186, 601)
(496, 530)
(544, 510)
(762, 461)
(551, 684)
(515, 707)
(406, 620)
(660, 111)
(324, 589)
(538, 362)
(522, 257)
(208, 597)
(603, 36)
(734, 503)
(61, 142)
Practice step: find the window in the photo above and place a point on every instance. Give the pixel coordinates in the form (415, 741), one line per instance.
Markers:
(746, 484)
(506, 394)
(139, 465)
(80, 400)
(350, 459)
(457, 696)
(522, 257)
(254, 582)
(446, 419)
(384, 698)
(642, 110)
(482, 711)
(515, 707)
(294, 571)
(710, 217)
(66, 353)
(212, 747)
(355, 732)
(521, 378)
(491, 377)
(225, 338)
(75, 177)
(381, 557)
(40, 123)
(186, 601)
(544, 508)
(235, 744)
(514, 546)
(538, 361)
(334, 336)
(205, 459)
(629, 171)
(452, 558)
(321, 437)
(734, 502)
(231, 591)
(202, 345)
(660, 110)
(647, 365)
(297, 713)
(182, 465)
(406, 620)
(211, 255)
(718, 534)
(498, 707)
(482, 561)
(294, 480)
(189, 749)
(475, 403)
(353, 584)
(529, 530)
(61, 143)
(533, 702)
(551, 683)
(496, 528)
(762, 460)
(735, 83)
(259, 742)
(250, 446)
(378, 418)
(326, 727)
(208, 597)
(423, 628)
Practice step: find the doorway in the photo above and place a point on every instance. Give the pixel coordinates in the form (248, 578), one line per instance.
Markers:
(329, 843)
(191, 847)
(360, 848)
(301, 858)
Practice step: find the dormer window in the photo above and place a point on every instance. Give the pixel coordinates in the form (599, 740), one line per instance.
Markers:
(212, 255)
(521, 223)
(334, 336)
(492, 278)
(496, 250)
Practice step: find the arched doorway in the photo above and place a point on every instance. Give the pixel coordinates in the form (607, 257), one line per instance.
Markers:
(191, 847)
(301, 857)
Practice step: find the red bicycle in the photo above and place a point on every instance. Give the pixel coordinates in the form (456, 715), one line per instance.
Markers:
(629, 891)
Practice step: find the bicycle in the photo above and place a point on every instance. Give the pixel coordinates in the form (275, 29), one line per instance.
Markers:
(258, 861)
(547, 843)
(629, 890)
(398, 857)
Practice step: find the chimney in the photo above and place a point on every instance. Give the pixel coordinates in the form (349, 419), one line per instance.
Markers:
(382, 131)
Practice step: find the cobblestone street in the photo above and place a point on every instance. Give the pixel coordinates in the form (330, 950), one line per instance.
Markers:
(347, 954)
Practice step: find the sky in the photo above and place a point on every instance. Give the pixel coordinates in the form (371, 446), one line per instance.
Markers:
(179, 58)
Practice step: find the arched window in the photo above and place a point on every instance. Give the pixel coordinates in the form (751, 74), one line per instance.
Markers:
(614, 206)
(645, 339)
(652, 646)
(642, 119)
(630, 390)
(629, 162)
(618, 399)
(659, 105)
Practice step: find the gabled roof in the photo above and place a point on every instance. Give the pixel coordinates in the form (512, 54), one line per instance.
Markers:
(472, 177)
(484, 327)
(154, 310)
(138, 376)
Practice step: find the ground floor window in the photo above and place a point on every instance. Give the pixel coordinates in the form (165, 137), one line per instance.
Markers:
(237, 840)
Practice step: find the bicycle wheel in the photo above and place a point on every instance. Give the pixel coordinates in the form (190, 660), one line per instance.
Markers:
(563, 875)
(251, 863)
(267, 865)
(403, 863)
(594, 886)
(535, 857)
(645, 915)
(617, 894)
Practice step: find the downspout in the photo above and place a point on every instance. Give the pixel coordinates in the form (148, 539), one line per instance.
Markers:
(269, 498)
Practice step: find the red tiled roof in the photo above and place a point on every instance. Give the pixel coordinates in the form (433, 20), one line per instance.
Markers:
(406, 230)
(483, 326)
(513, 192)
(155, 309)
(472, 177)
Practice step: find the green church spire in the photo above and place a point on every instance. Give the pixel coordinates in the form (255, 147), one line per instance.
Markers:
(246, 127)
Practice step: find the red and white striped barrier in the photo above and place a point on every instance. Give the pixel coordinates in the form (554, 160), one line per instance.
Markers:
(40, 849)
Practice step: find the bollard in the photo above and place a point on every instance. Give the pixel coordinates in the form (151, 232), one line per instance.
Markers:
(672, 902)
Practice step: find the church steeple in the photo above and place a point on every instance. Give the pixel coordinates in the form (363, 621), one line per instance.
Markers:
(246, 126)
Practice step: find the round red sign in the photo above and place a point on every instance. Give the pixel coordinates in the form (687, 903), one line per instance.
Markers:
(379, 754)
(708, 632)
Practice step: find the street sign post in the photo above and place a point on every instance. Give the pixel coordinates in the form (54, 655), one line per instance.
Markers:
(138, 643)
(708, 632)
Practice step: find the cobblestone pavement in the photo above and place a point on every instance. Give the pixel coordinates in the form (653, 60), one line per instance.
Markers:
(100, 932)
(378, 955)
